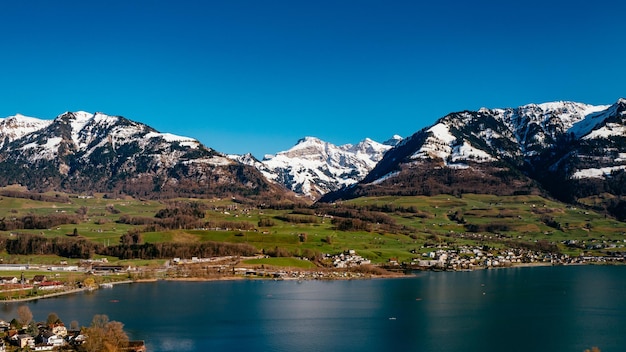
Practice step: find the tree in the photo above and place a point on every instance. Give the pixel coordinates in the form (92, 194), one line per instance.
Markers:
(82, 211)
(131, 237)
(32, 329)
(53, 318)
(90, 282)
(104, 335)
(24, 315)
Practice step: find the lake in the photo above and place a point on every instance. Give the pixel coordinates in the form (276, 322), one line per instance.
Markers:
(565, 308)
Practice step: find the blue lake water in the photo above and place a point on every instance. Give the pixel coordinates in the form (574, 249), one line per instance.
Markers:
(567, 308)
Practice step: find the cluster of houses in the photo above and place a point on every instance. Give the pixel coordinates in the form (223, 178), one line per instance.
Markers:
(467, 258)
(48, 338)
(595, 244)
(347, 259)
(41, 282)
(299, 274)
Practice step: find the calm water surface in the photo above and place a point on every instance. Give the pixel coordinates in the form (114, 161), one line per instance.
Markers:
(517, 309)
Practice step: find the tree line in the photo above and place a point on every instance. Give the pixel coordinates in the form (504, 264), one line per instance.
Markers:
(179, 250)
(57, 198)
(37, 222)
(28, 244)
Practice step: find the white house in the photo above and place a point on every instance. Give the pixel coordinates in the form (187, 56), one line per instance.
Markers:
(9, 280)
(24, 340)
(59, 330)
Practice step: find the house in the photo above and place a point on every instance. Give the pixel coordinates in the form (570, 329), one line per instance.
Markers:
(39, 279)
(108, 268)
(59, 330)
(9, 280)
(50, 285)
(76, 340)
(46, 341)
(55, 341)
(4, 326)
(136, 346)
(14, 267)
(23, 340)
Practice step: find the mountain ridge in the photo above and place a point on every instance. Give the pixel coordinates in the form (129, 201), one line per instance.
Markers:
(84, 152)
(313, 167)
(568, 150)
(535, 148)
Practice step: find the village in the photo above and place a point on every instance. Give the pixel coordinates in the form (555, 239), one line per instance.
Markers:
(49, 337)
(442, 257)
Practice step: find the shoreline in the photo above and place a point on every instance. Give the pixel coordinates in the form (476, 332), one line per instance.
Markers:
(55, 294)
(239, 278)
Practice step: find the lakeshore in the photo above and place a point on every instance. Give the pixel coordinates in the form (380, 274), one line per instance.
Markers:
(347, 265)
(480, 310)
(291, 275)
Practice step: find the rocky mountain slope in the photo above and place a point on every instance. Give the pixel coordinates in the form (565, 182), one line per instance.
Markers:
(84, 152)
(313, 167)
(571, 151)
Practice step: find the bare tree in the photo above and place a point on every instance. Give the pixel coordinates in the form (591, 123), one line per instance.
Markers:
(53, 318)
(25, 316)
(105, 335)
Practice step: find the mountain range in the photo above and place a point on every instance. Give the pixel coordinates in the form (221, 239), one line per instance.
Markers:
(571, 151)
(313, 167)
(84, 152)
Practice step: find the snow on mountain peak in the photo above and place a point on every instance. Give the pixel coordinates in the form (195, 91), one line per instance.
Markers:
(371, 149)
(170, 138)
(308, 140)
(394, 140)
(314, 167)
(437, 144)
(15, 127)
(78, 119)
(594, 117)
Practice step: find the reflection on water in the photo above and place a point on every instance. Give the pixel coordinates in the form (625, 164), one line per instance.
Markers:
(517, 309)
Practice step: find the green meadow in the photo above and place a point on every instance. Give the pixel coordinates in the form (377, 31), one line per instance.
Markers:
(419, 223)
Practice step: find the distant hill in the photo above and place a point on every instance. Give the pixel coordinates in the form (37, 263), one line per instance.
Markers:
(571, 151)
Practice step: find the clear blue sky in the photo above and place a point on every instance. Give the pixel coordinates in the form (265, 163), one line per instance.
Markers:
(255, 76)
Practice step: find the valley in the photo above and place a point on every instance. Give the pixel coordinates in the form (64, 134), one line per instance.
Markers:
(540, 184)
(389, 232)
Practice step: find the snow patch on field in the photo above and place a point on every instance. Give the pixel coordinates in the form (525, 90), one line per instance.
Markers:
(597, 172)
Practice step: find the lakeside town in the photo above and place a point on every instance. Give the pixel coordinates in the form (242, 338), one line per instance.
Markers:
(99, 273)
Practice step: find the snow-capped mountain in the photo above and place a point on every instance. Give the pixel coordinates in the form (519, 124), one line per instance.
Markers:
(15, 127)
(80, 151)
(313, 167)
(570, 150)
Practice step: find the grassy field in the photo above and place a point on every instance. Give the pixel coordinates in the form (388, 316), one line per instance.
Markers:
(425, 221)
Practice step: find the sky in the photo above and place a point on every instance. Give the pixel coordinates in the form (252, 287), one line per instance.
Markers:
(256, 76)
